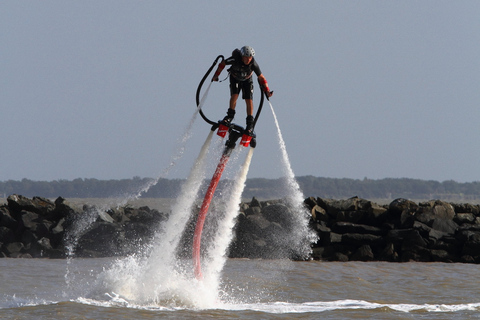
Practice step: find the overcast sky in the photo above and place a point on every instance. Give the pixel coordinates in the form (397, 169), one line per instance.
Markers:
(376, 89)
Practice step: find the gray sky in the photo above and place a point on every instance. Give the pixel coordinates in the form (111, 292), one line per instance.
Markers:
(377, 89)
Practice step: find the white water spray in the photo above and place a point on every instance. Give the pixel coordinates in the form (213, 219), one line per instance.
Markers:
(83, 223)
(303, 235)
(166, 245)
(218, 248)
(162, 278)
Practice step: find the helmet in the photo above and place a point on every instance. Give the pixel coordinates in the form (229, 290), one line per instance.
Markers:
(247, 51)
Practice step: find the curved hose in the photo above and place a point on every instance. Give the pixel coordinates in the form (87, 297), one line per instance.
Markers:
(200, 87)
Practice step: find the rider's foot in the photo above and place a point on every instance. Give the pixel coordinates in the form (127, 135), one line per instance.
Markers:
(229, 117)
(226, 121)
(249, 127)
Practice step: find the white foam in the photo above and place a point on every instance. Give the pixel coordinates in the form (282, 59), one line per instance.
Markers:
(322, 306)
(279, 307)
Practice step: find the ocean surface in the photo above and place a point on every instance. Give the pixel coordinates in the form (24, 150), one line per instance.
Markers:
(249, 289)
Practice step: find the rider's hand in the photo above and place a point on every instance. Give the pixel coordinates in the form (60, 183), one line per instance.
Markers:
(269, 93)
(215, 78)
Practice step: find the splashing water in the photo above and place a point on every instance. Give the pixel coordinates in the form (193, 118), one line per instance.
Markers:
(217, 250)
(164, 279)
(161, 278)
(302, 235)
(182, 208)
(83, 222)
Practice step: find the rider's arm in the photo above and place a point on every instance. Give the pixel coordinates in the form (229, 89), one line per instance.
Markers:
(263, 83)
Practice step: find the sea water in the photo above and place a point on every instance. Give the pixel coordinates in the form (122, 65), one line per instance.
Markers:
(253, 289)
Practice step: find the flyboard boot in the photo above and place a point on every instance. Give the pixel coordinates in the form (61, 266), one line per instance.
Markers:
(224, 125)
(248, 137)
(229, 117)
(249, 127)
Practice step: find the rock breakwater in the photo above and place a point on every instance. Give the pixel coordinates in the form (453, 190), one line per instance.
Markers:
(353, 229)
(361, 230)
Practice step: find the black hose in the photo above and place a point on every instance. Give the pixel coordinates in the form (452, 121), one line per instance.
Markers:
(259, 108)
(200, 87)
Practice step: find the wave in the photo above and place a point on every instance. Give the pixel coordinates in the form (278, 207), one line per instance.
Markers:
(116, 307)
(322, 306)
(279, 307)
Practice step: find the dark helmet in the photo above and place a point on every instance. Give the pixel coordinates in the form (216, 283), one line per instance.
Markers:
(247, 51)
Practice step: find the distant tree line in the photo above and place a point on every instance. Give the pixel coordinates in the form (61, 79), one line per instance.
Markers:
(261, 188)
(389, 188)
(91, 188)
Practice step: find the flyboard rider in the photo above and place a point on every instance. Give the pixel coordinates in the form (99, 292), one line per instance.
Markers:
(243, 65)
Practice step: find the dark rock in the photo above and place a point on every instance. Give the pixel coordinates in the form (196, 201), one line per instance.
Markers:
(279, 213)
(338, 256)
(58, 229)
(445, 225)
(318, 213)
(430, 211)
(354, 216)
(13, 248)
(415, 253)
(427, 232)
(328, 238)
(102, 240)
(29, 219)
(333, 207)
(407, 219)
(396, 236)
(464, 218)
(37, 204)
(254, 202)
(6, 235)
(397, 206)
(348, 227)
(6, 219)
(442, 256)
(466, 208)
(363, 253)
(310, 202)
(388, 253)
(375, 210)
(356, 239)
(317, 253)
(472, 245)
(28, 237)
(253, 211)
(144, 214)
(41, 248)
(63, 209)
(467, 259)
(414, 239)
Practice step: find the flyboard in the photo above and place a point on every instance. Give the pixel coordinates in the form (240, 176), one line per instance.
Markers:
(234, 133)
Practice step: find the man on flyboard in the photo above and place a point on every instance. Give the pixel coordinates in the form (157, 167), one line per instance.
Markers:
(243, 65)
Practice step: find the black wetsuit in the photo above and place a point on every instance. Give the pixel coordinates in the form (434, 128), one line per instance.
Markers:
(241, 75)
